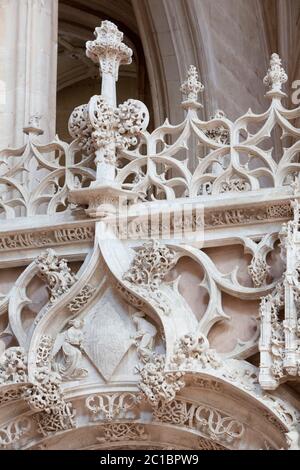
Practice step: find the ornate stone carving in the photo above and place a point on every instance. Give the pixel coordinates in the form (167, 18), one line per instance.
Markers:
(56, 273)
(11, 395)
(112, 406)
(46, 238)
(108, 49)
(205, 444)
(209, 421)
(276, 75)
(45, 396)
(279, 343)
(220, 134)
(148, 269)
(70, 343)
(123, 432)
(235, 184)
(192, 351)
(245, 215)
(81, 299)
(258, 270)
(14, 431)
(100, 126)
(156, 385)
(145, 336)
(13, 366)
(191, 87)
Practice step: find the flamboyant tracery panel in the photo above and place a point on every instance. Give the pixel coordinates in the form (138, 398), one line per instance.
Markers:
(118, 352)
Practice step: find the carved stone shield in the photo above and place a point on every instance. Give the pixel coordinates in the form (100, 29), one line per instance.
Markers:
(108, 333)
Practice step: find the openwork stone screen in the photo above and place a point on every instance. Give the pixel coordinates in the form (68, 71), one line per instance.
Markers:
(116, 353)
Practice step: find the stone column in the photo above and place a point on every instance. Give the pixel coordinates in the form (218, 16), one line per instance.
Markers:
(28, 62)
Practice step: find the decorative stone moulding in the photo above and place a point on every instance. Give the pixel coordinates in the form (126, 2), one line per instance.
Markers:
(280, 336)
(117, 357)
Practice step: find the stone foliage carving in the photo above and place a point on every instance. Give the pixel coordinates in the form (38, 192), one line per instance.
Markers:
(148, 269)
(193, 351)
(209, 421)
(157, 385)
(56, 273)
(98, 125)
(13, 366)
(45, 396)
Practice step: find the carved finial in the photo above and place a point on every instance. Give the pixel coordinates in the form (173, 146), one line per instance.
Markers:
(191, 87)
(275, 77)
(33, 126)
(108, 49)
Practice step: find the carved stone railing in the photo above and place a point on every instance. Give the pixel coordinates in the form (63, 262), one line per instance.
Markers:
(234, 157)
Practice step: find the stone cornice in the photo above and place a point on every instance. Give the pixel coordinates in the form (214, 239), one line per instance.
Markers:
(226, 218)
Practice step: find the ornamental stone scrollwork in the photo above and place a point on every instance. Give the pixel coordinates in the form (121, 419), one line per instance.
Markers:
(13, 366)
(220, 134)
(123, 432)
(50, 237)
(209, 421)
(56, 273)
(81, 299)
(45, 397)
(11, 395)
(14, 431)
(258, 270)
(192, 351)
(148, 269)
(112, 406)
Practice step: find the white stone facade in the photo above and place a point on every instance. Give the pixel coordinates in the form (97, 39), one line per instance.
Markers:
(147, 302)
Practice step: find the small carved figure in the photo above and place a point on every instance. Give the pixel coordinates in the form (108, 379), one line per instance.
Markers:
(145, 336)
(69, 343)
